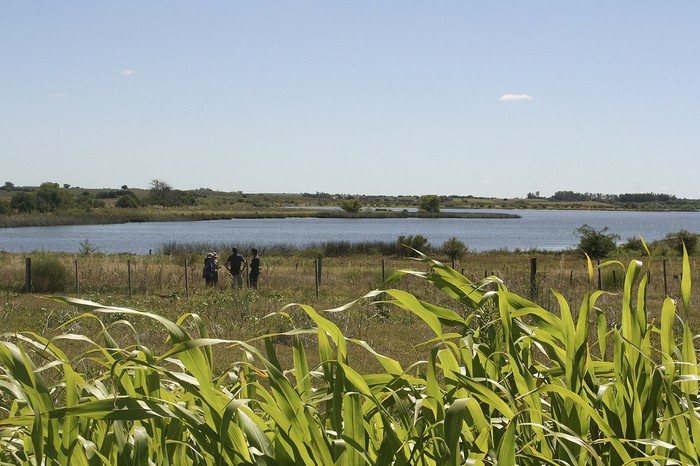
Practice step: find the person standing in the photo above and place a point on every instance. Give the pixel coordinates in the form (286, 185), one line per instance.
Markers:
(254, 269)
(235, 264)
(215, 269)
(208, 270)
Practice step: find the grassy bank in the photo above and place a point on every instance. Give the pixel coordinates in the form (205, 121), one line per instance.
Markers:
(111, 215)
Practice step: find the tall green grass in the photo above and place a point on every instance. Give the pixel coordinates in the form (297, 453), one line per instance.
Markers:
(506, 382)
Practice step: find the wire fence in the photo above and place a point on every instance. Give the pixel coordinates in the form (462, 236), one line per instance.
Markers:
(527, 276)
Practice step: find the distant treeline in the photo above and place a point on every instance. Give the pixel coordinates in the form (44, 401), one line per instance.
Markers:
(51, 197)
(628, 198)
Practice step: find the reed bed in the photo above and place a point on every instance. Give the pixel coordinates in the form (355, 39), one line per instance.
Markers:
(496, 378)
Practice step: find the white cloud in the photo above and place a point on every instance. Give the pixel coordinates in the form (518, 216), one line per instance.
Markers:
(515, 97)
(127, 72)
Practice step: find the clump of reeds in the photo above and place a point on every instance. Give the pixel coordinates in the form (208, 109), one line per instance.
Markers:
(506, 382)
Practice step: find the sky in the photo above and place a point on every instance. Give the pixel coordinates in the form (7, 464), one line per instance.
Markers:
(481, 98)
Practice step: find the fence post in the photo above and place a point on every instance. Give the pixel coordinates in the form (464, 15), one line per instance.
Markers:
(77, 283)
(383, 276)
(316, 273)
(128, 266)
(600, 278)
(665, 281)
(187, 281)
(320, 268)
(28, 274)
(533, 277)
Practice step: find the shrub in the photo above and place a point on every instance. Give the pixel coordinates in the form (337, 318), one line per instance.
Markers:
(597, 244)
(352, 205)
(454, 248)
(128, 201)
(633, 245)
(683, 237)
(417, 242)
(48, 274)
(429, 203)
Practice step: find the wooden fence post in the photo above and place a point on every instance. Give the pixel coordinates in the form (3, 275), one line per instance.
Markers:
(28, 274)
(533, 277)
(600, 278)
(316, 274)
(320, 268)
(77, 282)
(383, 276)
(128, 266)
(665, 281)
(187, 281)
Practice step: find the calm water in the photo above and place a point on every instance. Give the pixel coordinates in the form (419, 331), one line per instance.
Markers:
(543, 229)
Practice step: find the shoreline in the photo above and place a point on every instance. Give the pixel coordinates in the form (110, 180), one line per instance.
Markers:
(108, 218)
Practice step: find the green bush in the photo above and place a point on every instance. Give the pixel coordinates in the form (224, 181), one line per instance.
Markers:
(351, 205)
(429, 203)
(417, 242)
(597, 244)
(454, 248)
(48, 274)
(683, 237)
(128, 201)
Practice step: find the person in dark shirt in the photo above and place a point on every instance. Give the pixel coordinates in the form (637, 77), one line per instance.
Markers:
(208, 270)
(215, 269)
(235, 265)
(254, 269)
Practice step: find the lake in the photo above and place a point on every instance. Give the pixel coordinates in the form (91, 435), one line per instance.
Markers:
(541, 229)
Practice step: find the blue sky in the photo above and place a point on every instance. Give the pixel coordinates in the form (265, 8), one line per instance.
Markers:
(487, 98)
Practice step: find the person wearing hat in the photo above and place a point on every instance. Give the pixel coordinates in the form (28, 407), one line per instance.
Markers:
(215, 269)
(208, 271)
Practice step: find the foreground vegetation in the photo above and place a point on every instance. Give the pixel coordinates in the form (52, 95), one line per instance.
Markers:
(495, 379)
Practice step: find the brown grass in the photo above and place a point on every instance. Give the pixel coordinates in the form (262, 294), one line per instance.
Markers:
(158, 285)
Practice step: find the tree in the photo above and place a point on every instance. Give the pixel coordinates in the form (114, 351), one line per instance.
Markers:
(429, 203)
(454, 248)
(161, 193)
(128, 201)
(23, 202)
(598, 244)
(352, 205)
(50, 197)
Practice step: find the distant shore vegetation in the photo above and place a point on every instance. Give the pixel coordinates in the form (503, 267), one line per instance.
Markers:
(54, 204)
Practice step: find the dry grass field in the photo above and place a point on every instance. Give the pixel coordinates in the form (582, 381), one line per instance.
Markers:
(164, 285)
